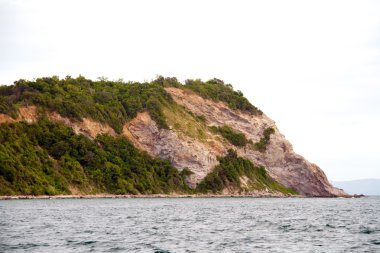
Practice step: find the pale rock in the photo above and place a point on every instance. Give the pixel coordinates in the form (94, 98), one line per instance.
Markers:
(285, 166)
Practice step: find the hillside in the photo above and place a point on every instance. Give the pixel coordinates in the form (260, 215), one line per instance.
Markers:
(78, 136)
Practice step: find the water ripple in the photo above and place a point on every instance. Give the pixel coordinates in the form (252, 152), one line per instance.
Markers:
(190, 225)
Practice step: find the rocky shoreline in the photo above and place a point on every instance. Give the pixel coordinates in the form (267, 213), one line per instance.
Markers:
(113, 196)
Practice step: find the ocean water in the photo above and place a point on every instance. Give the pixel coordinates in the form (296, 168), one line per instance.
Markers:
(190, 225)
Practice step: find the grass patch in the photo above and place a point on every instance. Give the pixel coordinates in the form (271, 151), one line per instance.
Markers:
(184, 121)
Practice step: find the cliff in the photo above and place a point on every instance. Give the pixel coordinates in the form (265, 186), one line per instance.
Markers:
(193, 138)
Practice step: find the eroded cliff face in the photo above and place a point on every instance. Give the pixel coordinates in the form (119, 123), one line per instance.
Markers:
(183, 151)
(87, 127)
(285, 166)
(27, 113)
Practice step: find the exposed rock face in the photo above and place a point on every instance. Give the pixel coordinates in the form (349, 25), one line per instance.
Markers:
(181, 150)
(87, 127)
(27, 113)
(6, 119)
(279, 159)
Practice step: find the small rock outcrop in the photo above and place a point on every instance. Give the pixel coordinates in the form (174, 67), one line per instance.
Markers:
(26, 113)
(87, 127)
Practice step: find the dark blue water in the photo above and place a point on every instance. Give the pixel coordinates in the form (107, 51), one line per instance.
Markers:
(190, 225)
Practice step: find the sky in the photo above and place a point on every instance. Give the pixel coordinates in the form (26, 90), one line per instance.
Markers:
(312, 66)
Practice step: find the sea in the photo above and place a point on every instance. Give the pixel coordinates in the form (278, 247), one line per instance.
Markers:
(191, 225)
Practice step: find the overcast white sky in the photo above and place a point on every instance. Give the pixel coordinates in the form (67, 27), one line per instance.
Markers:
(312, 66)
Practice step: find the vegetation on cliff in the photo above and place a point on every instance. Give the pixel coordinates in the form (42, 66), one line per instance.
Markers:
(235, 138)
(216, 89)
(231, 170)
(264, 141)
(111, 102)
(48, 158)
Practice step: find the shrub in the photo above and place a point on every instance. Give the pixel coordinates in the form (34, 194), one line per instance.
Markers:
(264, 141)
(235, 138)
(216, 89)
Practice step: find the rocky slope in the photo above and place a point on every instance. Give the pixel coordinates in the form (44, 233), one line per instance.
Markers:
(189, 141)
(288, 168)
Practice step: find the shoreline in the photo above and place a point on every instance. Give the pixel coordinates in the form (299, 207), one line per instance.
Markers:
(127, 196)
